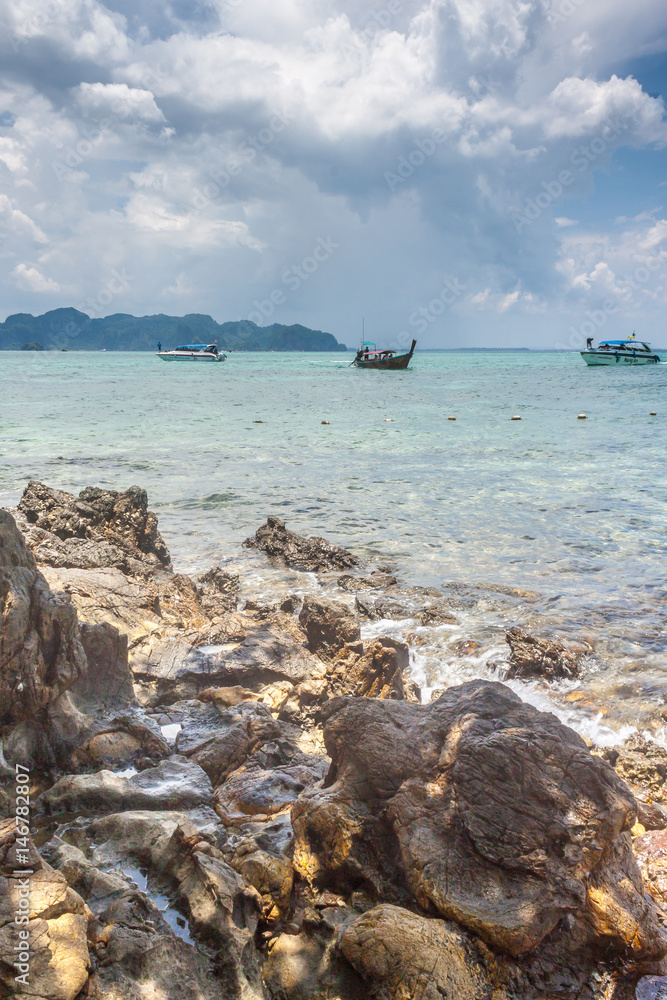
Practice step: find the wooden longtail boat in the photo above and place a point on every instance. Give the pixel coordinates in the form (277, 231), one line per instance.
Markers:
(369, 357)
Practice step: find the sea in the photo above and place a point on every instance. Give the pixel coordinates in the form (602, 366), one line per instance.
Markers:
(551, 522)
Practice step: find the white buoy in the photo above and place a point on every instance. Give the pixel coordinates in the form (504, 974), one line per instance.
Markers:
(258, 421)
(515, 417)
(388, 420)
(653, 413)
(324, 421)
(451, 418)
(581, 416)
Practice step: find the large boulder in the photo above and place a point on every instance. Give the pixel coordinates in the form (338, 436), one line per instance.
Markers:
(483, 810)
(40, 651)
(309, 554)
(99, 528)
(532, 656)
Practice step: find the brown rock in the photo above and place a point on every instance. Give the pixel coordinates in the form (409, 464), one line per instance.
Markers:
(641, 762)
(377, 673)
(40, 651)
(402, 955)
(650, 850)
(308, 554)
(57, 924)
(483, 809)
(328, 625)
(532, 656)
(221, 741)
(117, 521)
(304, 967)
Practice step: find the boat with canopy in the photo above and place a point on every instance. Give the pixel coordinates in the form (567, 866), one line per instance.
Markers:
(619, 352)
(368, 356)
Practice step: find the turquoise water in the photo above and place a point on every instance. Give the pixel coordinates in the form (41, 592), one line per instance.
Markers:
(572, 509)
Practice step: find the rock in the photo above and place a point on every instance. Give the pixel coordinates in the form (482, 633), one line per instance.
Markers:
(375, 581)
(309, 554)
(119, 522)
(531, 656)
(328, 625)
(227, 697)
(483, 809)
(650, 850)
(651, 988)
(641, 762)
(268, 783)
(402, 955)
(266, 654)
(220, 742)
(108, 678)
(224, 585)
(307, 966)
(651, 815)
(268, 871)
(176, 783)
(50, 737)
(433, 613)
(94, 886)
(139, 956)
(40, 652)
(377, 673)
(58, 963)
(275, 695)
(120, 739)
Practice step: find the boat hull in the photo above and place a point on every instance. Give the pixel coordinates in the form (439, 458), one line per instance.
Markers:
(201, 358)
(599, 358)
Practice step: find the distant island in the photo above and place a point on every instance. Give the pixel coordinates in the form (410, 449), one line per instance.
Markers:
(69, 329)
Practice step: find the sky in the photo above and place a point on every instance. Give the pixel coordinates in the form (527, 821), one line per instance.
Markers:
(467, 172)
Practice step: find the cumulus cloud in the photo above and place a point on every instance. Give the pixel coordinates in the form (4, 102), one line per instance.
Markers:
(208, 148)
(32, 280)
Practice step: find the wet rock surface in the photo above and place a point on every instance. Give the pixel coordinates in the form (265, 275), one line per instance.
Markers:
(308, 554)
(531, 655)
(176, 783)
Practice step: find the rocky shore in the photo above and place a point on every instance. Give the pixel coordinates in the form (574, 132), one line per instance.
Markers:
(235, 800)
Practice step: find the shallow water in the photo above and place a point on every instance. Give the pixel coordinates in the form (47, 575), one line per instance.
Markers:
(572, 510)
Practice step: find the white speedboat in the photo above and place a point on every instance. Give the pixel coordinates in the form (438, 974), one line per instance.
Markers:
(619, 352)
(193, 352)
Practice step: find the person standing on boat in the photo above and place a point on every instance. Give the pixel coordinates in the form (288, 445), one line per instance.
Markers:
(589, 343)
(159, 346)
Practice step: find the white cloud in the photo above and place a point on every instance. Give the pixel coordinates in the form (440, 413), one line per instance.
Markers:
(32, 280)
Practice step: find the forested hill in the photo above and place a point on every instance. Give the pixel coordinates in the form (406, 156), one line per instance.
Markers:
(72, 330)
